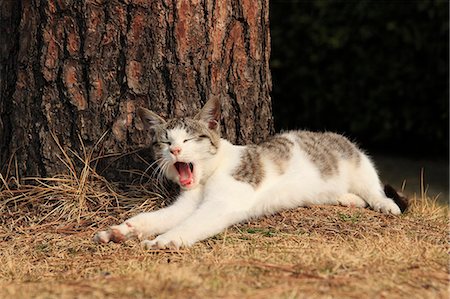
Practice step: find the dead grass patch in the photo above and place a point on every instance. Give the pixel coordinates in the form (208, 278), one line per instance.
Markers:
(318, 252)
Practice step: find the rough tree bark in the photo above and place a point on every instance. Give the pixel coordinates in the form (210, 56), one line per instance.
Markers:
(73, 71)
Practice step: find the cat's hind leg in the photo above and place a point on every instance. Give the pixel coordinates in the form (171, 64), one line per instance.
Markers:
(352, 200)
(366, 184)
(380, 203)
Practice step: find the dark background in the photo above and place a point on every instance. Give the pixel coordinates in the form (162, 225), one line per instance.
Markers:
(376, 71)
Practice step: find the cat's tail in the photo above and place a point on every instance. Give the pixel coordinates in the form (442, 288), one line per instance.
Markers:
(399, 198)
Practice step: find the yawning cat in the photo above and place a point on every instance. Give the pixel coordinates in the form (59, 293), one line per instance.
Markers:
(223, 184)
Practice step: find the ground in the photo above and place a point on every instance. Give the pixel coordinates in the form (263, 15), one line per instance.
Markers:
(46, 250)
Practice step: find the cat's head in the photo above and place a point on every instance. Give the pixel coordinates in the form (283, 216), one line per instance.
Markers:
(184, 147)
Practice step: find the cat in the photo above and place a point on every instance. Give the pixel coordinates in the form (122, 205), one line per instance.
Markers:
(223, 184)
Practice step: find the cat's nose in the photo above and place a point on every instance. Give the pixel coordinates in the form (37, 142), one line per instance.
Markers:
(175, 150)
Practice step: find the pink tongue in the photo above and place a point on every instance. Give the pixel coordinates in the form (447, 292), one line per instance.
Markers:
(185, 173)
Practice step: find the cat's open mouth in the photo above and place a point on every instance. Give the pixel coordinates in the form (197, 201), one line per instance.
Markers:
(185, 173)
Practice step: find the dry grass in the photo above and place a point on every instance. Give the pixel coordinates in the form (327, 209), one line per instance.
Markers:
(46, 226)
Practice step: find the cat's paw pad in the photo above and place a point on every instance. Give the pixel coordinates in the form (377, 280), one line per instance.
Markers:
(156, 244)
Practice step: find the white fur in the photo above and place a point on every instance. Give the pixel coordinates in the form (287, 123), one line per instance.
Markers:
(217, 200)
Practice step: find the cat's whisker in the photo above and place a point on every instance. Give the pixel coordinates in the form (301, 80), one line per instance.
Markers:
(148, 168)
(157, 170)
(163, 170)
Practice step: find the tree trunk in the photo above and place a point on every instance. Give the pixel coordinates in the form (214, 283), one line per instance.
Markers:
(74, 72)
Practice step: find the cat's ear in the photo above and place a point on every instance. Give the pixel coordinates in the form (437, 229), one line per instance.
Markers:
(149, 118)
(210, 114)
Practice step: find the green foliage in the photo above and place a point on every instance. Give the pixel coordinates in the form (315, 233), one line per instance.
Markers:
(353, 218)
(376, 70)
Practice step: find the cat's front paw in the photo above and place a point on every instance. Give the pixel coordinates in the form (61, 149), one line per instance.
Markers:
(116, 234)
(103, 236)
(162, 243)
(111, 234)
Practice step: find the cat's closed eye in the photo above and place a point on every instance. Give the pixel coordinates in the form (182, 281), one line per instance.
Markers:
(189, 139)
(196, 138)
